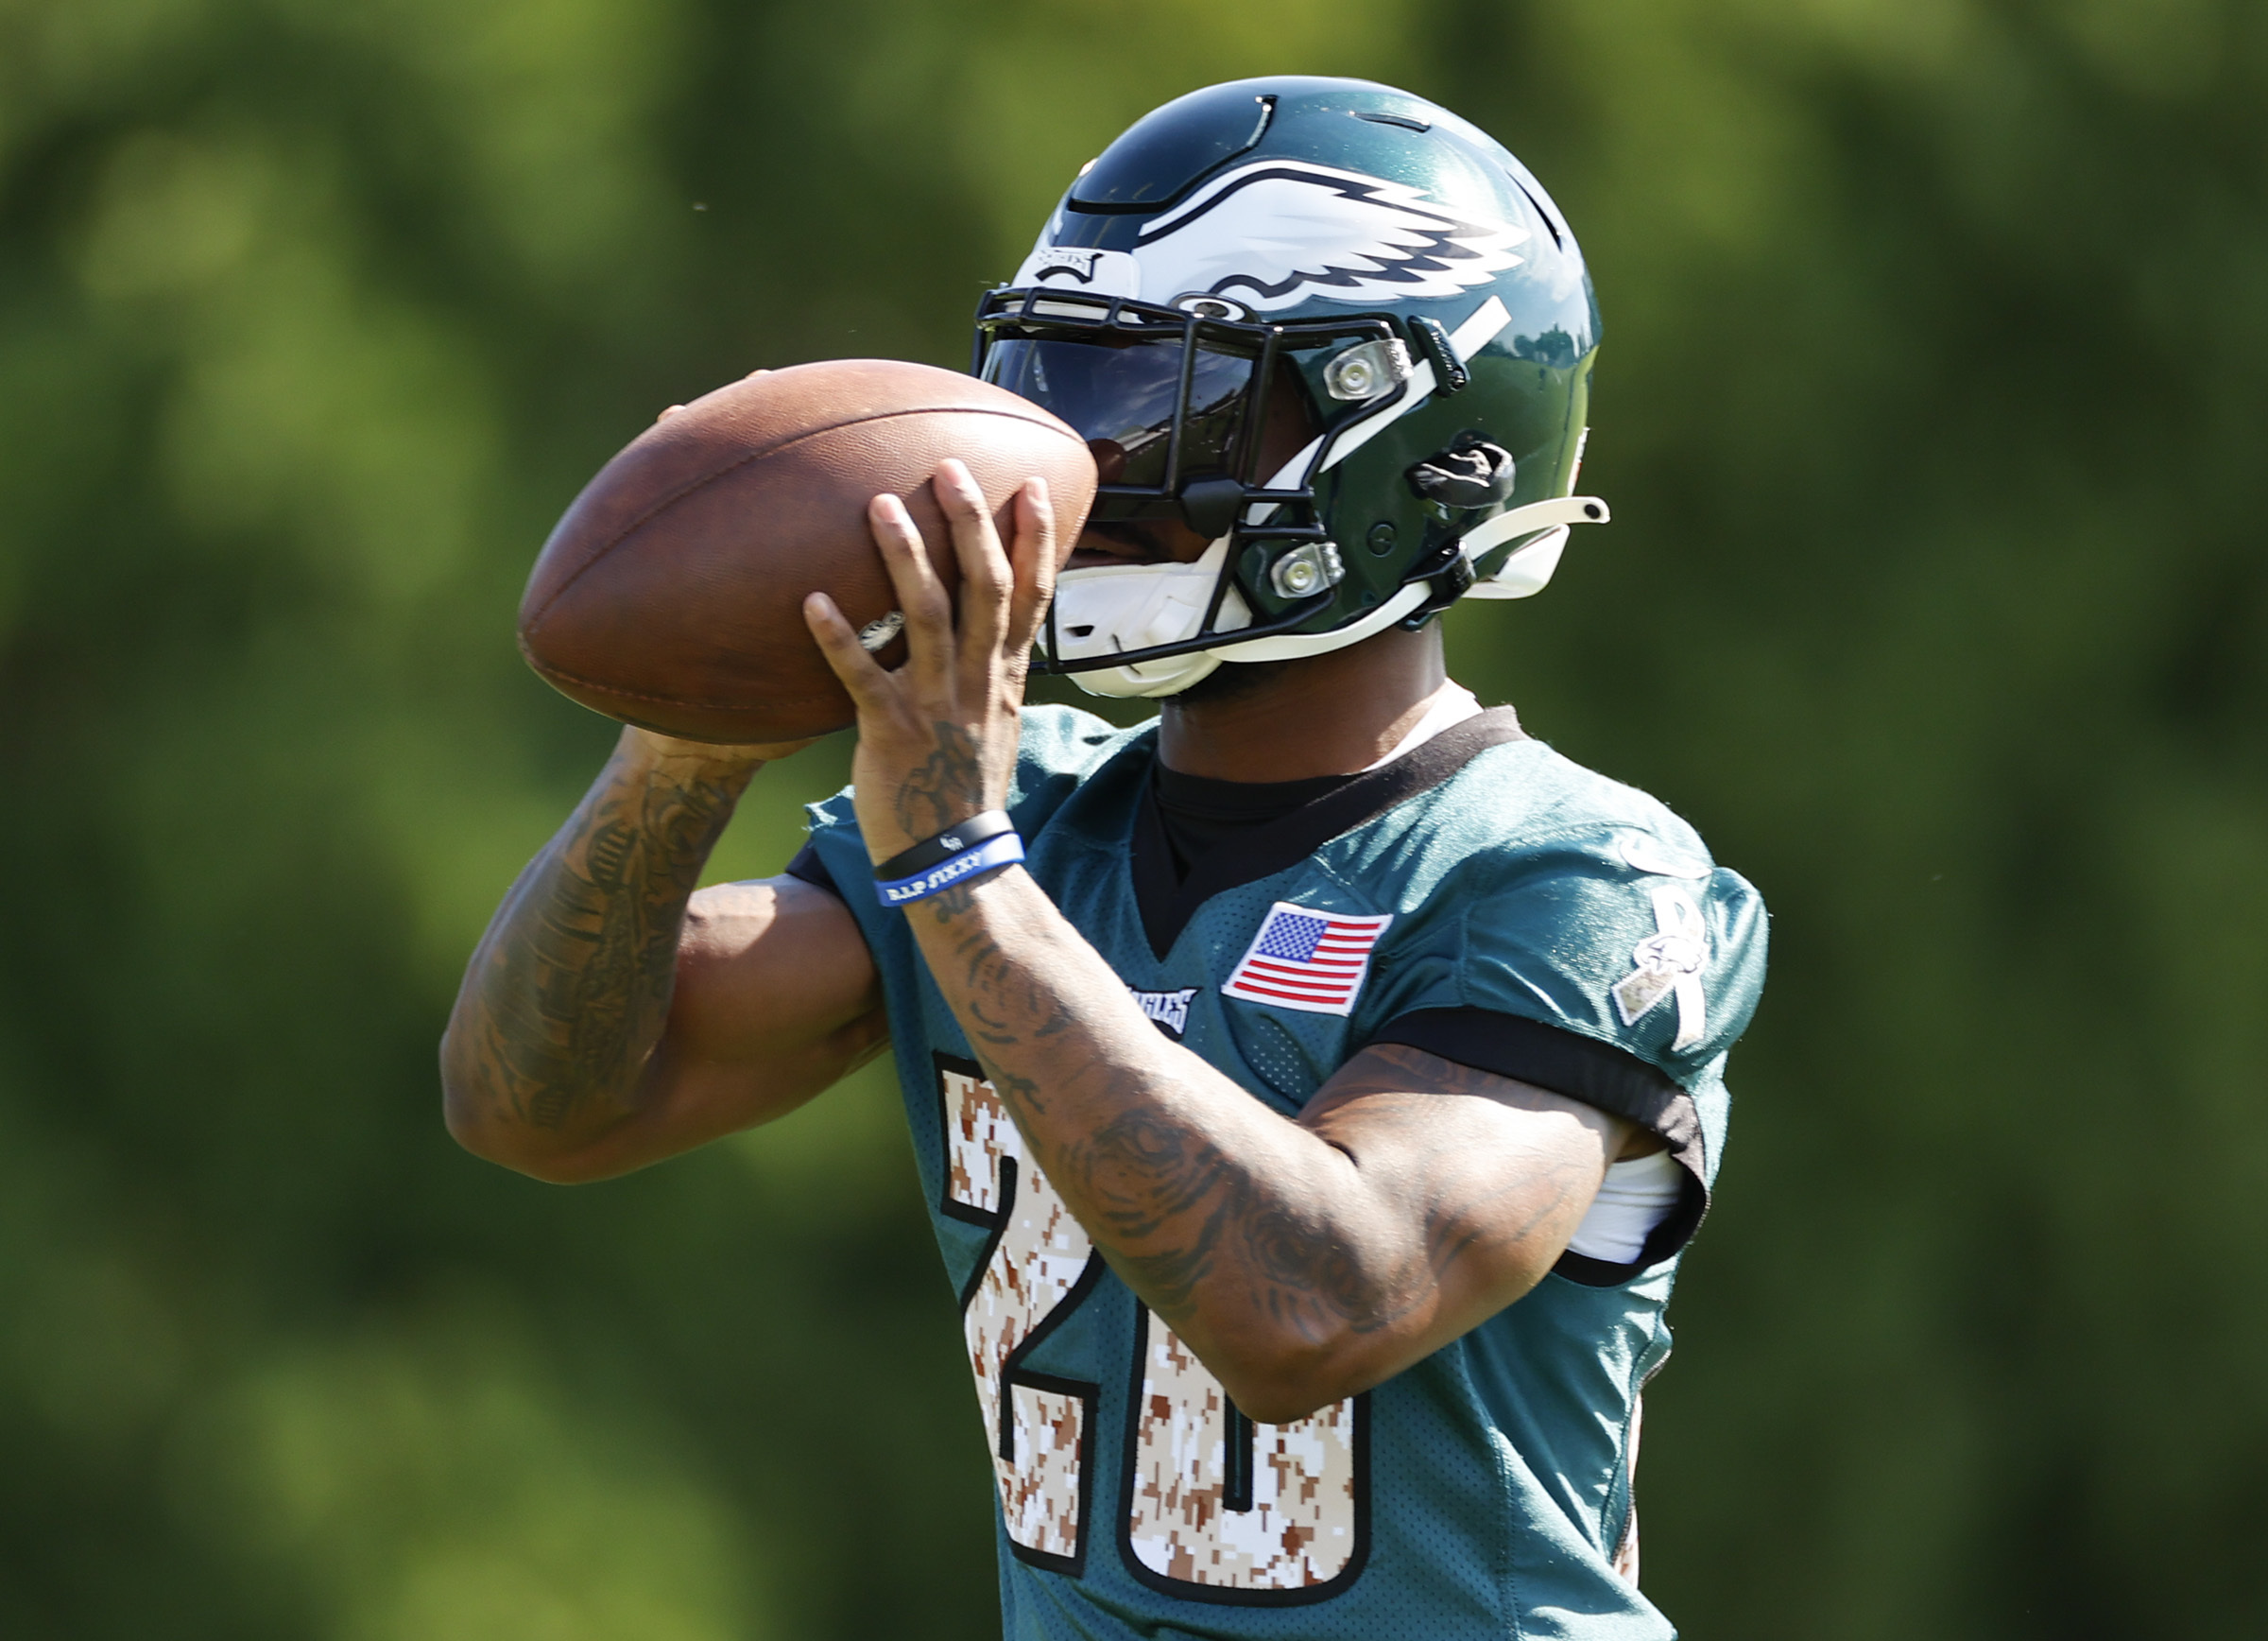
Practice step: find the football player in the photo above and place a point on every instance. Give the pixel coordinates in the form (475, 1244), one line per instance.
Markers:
(1314, 1087)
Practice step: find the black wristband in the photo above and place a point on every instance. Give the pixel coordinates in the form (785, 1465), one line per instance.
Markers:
(945, 845)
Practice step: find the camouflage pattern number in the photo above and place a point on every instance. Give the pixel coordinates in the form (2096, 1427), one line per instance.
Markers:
(1215, 1502)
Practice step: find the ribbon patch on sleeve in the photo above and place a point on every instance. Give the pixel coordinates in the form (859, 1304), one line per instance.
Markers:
(1668, 963)
(1649, 854)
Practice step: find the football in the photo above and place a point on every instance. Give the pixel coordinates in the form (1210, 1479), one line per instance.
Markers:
(670, 595)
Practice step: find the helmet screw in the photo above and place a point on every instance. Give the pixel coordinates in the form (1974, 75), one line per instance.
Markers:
(1381, 539)
(1307, 569)
(1367, 370)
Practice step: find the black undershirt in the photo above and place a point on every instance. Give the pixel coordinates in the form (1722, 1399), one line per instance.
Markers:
(1200, 813)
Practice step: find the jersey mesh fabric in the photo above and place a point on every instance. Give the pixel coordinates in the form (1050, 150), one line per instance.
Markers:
(1495, 1475)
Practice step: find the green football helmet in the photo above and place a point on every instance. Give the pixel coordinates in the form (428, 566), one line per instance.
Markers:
(1336, 332)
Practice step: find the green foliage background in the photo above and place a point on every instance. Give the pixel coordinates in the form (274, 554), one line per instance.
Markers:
(1931, 411)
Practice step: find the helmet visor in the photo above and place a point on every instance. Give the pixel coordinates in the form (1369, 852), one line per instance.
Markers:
(1122, 394)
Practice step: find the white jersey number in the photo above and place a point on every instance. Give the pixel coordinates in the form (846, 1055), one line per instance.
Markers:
(1214, 1502)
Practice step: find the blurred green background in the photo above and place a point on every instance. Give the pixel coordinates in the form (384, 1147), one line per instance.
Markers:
(1935, 377)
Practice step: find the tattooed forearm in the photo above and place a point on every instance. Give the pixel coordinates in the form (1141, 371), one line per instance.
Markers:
(1192, 1212)
(1171, 1208)
(569, 989)
(1388, 1213)
(1006, 1003)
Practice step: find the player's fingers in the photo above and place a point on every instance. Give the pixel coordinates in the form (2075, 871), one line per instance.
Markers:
(920, 595)
(860, 673)
(1034, 563)
(985, 575)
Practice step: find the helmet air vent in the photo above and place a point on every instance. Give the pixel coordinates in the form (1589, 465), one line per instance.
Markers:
(1157, 159)
(1551, 217)
(1267, 112)
(1402, 120)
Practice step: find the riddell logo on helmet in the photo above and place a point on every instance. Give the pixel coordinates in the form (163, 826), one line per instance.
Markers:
(1063, 265)
(1275, 233)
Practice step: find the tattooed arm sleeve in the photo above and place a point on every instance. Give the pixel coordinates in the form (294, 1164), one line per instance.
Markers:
(608, 1017)
(1302, 1261)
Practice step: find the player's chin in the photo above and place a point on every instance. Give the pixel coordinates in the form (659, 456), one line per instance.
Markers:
(1231, 680)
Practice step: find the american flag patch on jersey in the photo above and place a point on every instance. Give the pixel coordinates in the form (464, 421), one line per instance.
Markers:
(1310, 960)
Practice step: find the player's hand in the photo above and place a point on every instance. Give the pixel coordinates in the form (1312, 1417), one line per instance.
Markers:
(937, 738)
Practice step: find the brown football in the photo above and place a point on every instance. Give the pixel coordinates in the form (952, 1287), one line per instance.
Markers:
(671, 594)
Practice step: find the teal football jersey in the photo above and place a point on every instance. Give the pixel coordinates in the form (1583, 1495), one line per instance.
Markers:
(1480, 896)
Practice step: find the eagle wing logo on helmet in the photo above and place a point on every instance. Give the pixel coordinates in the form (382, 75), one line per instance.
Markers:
(1272, 235)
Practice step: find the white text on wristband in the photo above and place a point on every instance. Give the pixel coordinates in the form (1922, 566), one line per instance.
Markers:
(1005, 850)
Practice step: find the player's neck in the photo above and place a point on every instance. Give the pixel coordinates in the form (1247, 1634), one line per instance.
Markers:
(1326, 714)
